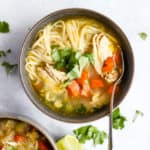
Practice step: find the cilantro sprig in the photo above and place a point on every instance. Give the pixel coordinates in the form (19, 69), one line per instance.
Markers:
(118, 119)
(4, 27)
(4, 53)
(9, 67)
(90, 132)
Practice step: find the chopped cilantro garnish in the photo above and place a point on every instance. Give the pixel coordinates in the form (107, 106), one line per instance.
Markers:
(72, 61)
(118, 119)
(4, 27)
(90, 133)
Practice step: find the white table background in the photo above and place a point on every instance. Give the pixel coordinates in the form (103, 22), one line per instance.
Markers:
(133, 16)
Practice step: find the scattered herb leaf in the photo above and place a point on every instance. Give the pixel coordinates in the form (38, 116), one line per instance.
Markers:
(137, 114)
(90, 133)
(118, 119)
(4, 27)
(9, 67)
(4, 53)
(143, 35)
(81, 110)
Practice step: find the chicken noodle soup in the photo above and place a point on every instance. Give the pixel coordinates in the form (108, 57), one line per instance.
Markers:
(72, 64)
(18, 135)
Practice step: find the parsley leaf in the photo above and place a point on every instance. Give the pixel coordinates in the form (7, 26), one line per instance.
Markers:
(137, 114)
(9, 67)
(4, 27)
(143, 35)
(4, 53)
(90, 133)
(118, 119)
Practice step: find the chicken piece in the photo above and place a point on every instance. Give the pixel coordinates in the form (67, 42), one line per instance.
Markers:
(59, 76)
(111, 76)
(102, 49)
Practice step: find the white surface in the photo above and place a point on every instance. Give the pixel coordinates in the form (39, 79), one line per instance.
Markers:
(132, 15)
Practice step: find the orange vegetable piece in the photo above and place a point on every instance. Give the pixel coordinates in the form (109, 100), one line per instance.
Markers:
(108, 65)
(73, 88)
(43, 146)
(38, 86)
(110, 89)
(83, 78)
(19, 138)
(117, 57)
(97, 83)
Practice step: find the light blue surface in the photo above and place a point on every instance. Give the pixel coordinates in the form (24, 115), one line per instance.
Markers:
(133, 16)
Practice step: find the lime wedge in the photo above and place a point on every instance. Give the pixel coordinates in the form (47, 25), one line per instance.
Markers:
(69, 143)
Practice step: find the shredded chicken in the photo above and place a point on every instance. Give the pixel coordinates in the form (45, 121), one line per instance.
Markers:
(111, 76)
(101, 51)
(55, 74)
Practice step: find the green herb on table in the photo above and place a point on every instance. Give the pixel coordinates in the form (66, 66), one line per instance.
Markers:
(143, 35)
(4, 53)
(137, 114)
(118, 119)
(9, 67)
(90, 132)
(4, 27)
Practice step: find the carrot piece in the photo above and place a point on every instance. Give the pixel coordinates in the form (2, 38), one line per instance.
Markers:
(19, 138)
(85, 91)
(38, 86)
(117, 57)
(73, 88)
(110, 89)
(42, 145)
(108, 65)
(97, 83)
(83, 78)
(0, 147)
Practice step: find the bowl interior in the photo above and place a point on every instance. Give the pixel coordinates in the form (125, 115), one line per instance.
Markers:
(127, 53)
(30, 122)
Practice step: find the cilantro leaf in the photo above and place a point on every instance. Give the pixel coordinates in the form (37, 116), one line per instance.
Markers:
(143, 35)
(71, 61)
(74, 73)
(10, 148)
(90, 133)
(83, 62)
(9, 67)
(4, 27)
(137, 114)
(118, 119)
(90, 57)
(4, 53)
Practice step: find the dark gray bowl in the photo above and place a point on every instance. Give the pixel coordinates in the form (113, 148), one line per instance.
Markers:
(31, 122)
(127, 52)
